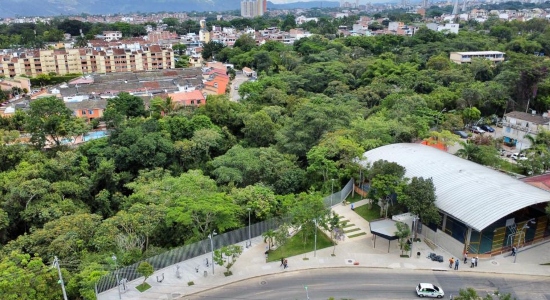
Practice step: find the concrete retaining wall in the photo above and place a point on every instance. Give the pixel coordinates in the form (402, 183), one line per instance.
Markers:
(444, 241)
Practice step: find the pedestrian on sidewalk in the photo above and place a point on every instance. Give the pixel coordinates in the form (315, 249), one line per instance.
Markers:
(473, 260)
(451, 262)
(457, 262)
(352, 207)
(477, 258)
(466, 257)
(285, 264)
(282, 261)
(514, 251)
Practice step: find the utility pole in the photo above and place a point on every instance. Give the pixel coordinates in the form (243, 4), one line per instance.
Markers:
(315, 247)
(56, 263)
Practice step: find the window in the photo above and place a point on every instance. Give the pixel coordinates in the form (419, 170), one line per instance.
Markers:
(192, 101)
(83, 112)
(90, 112)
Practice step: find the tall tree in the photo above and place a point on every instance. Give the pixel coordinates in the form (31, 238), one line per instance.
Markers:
(419, 197)
(49, 120)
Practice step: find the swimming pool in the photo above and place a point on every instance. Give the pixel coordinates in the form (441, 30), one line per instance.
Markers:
(92, 135)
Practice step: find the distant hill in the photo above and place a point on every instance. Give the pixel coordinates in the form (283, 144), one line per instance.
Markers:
(12, 8)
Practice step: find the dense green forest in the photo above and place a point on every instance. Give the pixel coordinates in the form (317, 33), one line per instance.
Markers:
(167, 176)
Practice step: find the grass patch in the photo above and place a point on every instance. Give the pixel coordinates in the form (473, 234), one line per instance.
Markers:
(352, 230)
(368, 214)
(190, 283)
(546, 264)
(295, 246)
(348, 225)
(143, 287)
(508, 166)
(356, 235)
(228, 273)
(356, 197)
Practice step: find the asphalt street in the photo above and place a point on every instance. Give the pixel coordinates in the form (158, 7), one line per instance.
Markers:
(345, 283)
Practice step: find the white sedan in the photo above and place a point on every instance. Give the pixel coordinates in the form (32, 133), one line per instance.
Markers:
(429, 290)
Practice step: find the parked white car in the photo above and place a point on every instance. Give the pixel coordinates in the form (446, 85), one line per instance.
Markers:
(429, 290)
(517, 156)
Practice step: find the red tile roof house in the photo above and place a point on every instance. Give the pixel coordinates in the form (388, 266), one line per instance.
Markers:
(193, 98)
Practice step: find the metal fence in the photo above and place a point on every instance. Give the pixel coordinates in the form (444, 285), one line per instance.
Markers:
(190, 251)
(339, 196)
(186, 252)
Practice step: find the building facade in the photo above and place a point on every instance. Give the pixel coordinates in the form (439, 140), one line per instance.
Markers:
(85, 60)
(253, 8)
(466, 57)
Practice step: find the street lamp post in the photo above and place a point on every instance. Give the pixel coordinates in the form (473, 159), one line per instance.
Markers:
(249, 243)
(307, 294)
(522, 232)
(331, 191)
(439, 115)
(116, 275)
(210, 236)
(315, 247)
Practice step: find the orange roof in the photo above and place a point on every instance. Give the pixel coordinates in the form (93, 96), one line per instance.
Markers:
(186, 97)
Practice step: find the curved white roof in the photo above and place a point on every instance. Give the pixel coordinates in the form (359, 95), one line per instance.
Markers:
(469, 192)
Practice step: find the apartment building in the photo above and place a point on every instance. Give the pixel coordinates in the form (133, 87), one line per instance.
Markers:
(253, 8)
(85, 60)
(112, 35)
(466, 57)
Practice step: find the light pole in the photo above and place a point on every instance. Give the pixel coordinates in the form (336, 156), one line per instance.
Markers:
(439, 115)
(116, 275)
(307, 294)
(522, 232)
(315, 247)
(331, 191)
(249, 243)
(210, 236)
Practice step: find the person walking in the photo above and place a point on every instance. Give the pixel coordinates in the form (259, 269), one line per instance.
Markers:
(285, 264)
(465, 257)
(352, 207)
(473, 262)
(477, 258)
(451, 262)
(282, 262)
(514, 251)
(457, 262)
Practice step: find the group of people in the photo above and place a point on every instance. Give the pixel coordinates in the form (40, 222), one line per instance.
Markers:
(284, 263)
(456, 263)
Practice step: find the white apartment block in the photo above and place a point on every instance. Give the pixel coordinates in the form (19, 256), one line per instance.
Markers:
(466, 57)
(112, 35)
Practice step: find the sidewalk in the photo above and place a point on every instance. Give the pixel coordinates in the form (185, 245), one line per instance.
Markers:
(252, 263)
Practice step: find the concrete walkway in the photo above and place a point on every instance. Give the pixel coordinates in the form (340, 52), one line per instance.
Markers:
(360, 250)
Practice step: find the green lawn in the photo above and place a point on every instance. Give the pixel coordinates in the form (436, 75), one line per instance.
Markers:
(143, 287)
(295, 246)
(368, 214)
(355, 198)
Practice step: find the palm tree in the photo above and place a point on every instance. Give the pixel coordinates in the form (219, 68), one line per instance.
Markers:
(468, 151)
(81, 41)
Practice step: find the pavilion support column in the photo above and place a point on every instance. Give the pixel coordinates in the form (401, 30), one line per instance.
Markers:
(444, 223)
(375, 241)
(467, 239)
(389, 243)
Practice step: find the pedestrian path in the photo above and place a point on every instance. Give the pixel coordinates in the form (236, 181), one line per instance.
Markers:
(358, 252)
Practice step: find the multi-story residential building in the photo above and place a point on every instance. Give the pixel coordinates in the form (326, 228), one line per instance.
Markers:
(112, 35)
(466, 57)
(85, 60)
(253, 8)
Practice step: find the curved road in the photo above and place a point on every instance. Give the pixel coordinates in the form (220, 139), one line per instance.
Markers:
(363, 283)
